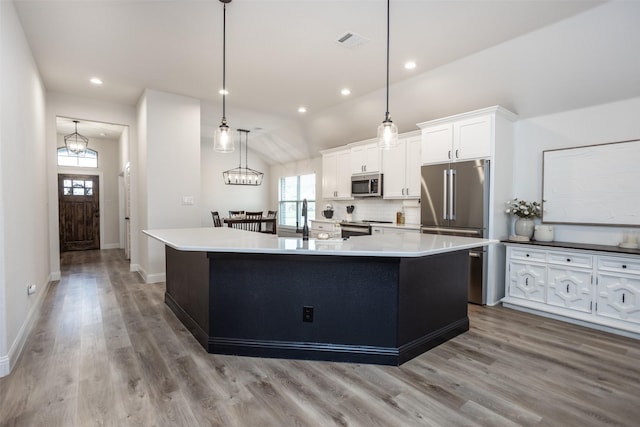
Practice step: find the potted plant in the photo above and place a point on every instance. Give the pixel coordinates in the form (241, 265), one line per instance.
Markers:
(526, 212)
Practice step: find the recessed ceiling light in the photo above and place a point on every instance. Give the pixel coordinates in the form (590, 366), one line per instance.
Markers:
(409, 65)
(345, 92)
(223, 92)
(95, 81)
(302, 110)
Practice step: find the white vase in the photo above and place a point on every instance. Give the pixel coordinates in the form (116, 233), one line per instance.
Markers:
(524, 227)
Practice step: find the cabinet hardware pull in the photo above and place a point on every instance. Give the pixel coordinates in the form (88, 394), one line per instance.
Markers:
(407, 191)
(623, 298)
(527, 254)
(457, 154)
(567, 288)
(449, 154)
(568, 259)
(526, 281)
(624, 266)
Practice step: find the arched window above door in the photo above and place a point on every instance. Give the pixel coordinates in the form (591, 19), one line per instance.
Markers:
(89, 160)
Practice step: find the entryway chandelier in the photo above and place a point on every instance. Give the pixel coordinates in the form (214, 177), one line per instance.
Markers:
(76, 144)
(243, 175)
(223, 139)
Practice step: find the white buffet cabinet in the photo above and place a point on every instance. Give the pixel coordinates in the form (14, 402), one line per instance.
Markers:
(595, 288)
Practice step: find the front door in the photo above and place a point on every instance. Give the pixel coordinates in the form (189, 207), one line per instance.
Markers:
(79, 212)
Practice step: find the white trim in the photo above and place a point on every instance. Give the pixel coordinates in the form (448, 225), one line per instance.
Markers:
(110, 246)
(151, 278)
(5, 368)
(7, 362)
(55, 276)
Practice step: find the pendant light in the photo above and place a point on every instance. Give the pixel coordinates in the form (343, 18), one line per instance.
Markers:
(243, 175)
(76, 144)
(387, 131)
(223, 138)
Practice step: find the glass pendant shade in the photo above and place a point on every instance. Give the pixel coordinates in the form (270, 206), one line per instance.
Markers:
(76, 144)
(387, 131)
(223, 139)
(387, 135)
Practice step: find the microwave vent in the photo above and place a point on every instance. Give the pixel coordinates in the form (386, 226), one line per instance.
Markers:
(352, 40)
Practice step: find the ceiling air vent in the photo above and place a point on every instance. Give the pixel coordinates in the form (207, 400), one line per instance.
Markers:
(352, 40)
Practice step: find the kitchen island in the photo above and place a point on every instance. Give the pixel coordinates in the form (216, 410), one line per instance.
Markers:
(369, 299)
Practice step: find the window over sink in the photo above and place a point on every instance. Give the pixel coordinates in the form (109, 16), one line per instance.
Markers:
(292, 190)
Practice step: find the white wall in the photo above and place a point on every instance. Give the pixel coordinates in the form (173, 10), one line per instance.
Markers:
(24, 246)
(85, 109)
(169, 160)
(217, 196)
(612, 122)
(108, 170)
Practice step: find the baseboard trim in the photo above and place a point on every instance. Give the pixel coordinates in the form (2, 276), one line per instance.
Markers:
(55, 276)
(150, 278)
(5, 368)
(15, 351)
(111, 246)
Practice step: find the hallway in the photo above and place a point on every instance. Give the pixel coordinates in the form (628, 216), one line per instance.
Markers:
(107, 351)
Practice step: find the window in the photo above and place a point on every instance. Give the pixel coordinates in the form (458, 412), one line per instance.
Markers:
(293, 190)
(89, 160)
(77, 187)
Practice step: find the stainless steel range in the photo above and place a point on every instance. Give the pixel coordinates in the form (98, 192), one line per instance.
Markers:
(358, 228)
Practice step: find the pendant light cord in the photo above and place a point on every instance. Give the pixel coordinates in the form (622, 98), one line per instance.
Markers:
(224, 62)
(386, 116)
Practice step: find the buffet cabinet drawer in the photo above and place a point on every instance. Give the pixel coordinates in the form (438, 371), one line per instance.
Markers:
(570, 259)
(619, 265)
(528, 255)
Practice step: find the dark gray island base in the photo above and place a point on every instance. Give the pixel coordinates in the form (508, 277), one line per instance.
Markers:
(380, 310)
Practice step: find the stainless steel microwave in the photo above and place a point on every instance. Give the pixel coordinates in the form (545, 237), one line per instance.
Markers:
(369, 185)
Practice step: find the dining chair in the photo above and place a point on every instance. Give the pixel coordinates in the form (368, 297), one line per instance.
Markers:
(216, 219)
(253, 226)
(235, 213)
(270, 227)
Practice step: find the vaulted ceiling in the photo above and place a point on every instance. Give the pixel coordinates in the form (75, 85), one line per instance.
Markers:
(531, 56)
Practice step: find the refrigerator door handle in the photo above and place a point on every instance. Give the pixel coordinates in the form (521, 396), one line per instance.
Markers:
(445, 180)
(452, 194)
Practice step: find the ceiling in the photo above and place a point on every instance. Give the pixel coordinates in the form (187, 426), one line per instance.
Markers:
(282, 54)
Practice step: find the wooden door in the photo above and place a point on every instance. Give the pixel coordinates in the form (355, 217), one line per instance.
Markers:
(79, 212)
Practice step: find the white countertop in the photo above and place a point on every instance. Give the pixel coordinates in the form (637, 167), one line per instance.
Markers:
(224, 239)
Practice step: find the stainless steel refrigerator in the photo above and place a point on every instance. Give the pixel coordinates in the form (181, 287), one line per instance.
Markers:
(454, 200)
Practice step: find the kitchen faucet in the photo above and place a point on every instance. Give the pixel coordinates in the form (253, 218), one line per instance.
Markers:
(305, 227)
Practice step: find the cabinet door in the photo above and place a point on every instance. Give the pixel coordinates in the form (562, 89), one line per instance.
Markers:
(343, 174)
(569, 288)
(618, 297)
(365, 158)
(527, 281)
(413, 151)
(329, 175)
(472, 138)
(437, 143)
(393, 162)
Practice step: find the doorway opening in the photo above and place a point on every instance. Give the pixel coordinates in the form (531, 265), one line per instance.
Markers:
(79, 212)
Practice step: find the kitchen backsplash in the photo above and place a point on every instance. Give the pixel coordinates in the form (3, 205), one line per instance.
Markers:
(374, 208)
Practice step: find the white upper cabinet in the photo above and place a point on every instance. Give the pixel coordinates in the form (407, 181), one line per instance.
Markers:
(336, 174)
(365, 158)
(401, 169)
(463, 137)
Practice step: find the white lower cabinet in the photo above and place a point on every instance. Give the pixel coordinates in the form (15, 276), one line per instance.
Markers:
(376, 230)
(618, 289)
(594, 288)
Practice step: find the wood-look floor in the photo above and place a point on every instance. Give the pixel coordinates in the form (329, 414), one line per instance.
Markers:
(107, 351)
